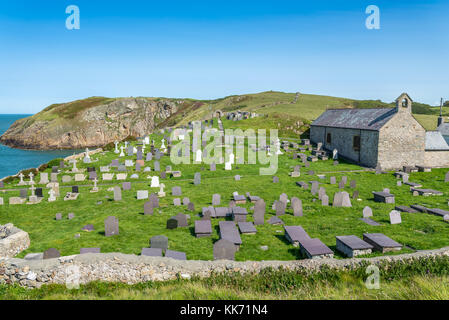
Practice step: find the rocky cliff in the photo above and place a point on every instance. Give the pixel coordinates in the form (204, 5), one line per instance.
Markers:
(89, 123)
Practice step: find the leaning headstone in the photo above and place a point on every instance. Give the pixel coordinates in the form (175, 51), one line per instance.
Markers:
(111, 226)
(224, 250)
(395, 217)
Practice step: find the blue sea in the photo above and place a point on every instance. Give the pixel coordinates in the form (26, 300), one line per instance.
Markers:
(14, 160)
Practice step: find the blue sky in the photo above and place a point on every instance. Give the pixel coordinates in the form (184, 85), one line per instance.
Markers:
(211, 49)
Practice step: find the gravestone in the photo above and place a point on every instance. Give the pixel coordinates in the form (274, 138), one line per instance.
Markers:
(159, 242)
(71, 216)
(191, 206)
(213, 166)
(142, 194)
(157, 166)
(280, 208)
(203, 228)
(176, 201)
(182, 220)
(66, 179)
(176, 191)
(148, 208)
(151, 252)
(58, 216)
(275, 179)
(395, 217)
(325, 200)
(185, 201)
(367, 212)
(314, 189)
(197, 179)
(259, 212)
(216, 199)
(39, 193)
(446, 177)
(297, 207)
(172, 223)
(154, 200)
(353, 184)
(111, 226)
(333, 180)
(117, 193)
(224, 250)
(126, 186)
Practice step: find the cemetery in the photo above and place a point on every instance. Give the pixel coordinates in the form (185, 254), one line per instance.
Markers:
(131, 201)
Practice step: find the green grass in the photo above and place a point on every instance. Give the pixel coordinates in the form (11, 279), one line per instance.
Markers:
(423, 279)
(417, 231)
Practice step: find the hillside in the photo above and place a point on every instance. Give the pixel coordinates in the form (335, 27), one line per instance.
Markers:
(98, 121)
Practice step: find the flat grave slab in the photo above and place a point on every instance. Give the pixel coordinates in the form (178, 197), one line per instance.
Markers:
(438, 212)
(370, 221)
(384, 197)
(247, 228)
(381, 242)
(315, 249)
(175, 255)
(296, 235)
(427, 192)
(405, 209)
(203, 228)
(353, 246)
(228, 231)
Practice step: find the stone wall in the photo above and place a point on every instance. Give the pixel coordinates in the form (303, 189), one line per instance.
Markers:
(401, 142)
(131, 269)
(436, 159)
(342, 140)
(16, 241)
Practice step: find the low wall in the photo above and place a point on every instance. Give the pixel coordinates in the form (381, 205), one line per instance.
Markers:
(15, 243)
(131, 269)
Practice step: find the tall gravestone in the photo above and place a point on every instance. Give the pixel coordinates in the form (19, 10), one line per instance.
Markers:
(117, 193)
(297, 207)
(111, 226)
(259, 212)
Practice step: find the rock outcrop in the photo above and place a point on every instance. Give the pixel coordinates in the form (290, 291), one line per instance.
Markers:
(89, 123)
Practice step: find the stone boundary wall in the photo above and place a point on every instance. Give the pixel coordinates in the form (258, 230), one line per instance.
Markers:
(132, 269)
(436, 159)
(15, 243)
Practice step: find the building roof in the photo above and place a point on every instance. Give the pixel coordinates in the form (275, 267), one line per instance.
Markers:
(365, 119)
(435, 141)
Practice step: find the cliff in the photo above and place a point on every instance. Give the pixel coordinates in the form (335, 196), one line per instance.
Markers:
(89, 123)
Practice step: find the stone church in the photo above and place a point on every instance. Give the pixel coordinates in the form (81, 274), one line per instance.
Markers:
(387, 137)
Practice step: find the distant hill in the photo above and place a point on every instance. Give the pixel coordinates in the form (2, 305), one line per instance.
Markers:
(98, 121)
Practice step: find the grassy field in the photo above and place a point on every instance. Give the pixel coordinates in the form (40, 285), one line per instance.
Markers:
(426, 279)
(416, 232)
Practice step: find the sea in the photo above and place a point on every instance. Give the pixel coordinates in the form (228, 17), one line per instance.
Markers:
(14, 160)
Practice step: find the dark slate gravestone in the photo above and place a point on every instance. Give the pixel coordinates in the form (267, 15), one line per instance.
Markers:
(280, 208)
(175, 255)
(275, 179)
(157, 166)
(51, 253)
(341, 184)
(172, 223)
(151, 252)
(325, 200)
(224, 250)
(296, 234)
(71, 216)
(138, 166)
(314, 189)
(114, 163)
(154, 199)
(197, 179)
(275, 221)
(314, 247)
(176, 191)
(259, 212)
(355, 194)
(61, 164)
(89, 250)
(333, 180)
(148, 208)
(321, 193)
(228, 231)
(139, 154)
(130, 150)
(176, 202)
(24, 193)
(191, 206)
(163, 175)
(185, 201)
(39, 193)
(370, 222)
(75, 189)
(126, 186)
(159, 242)
(58, 216)
(203, 228)
(111, 226)
(54, 169)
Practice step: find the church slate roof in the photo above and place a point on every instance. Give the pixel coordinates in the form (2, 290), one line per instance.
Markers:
(364, 119)
(435, 141)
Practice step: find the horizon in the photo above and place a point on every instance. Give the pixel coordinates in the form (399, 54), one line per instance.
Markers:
(209, 51)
